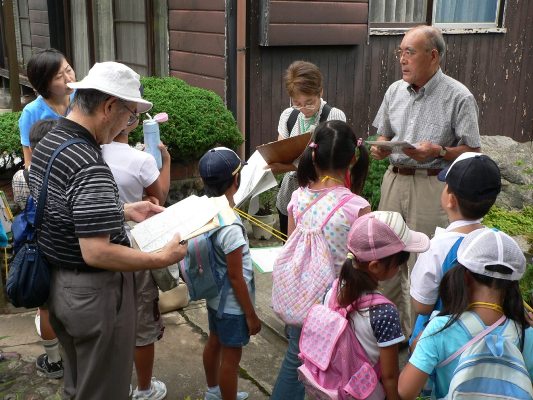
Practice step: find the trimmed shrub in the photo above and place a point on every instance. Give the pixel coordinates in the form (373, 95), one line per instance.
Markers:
(197, 118)
(10, 147)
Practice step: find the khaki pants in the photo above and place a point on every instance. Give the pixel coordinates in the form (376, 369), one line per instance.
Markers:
(417, 198)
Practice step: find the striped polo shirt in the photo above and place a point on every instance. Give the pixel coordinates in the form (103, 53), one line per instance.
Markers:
(82, 198)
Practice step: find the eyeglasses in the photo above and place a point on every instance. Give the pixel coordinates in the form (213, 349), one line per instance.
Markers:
(133, 117)
(308, 107)
(407, 53)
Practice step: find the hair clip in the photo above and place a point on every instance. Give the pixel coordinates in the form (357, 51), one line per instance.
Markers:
(359, 142)
(350, 256)
(313, 145)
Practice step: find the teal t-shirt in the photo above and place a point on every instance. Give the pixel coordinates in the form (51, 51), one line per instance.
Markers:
(433, 348)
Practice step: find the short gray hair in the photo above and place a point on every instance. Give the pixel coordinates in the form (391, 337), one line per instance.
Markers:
(434, 38)
(87, 100)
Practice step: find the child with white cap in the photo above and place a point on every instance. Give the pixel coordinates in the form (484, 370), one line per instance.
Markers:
(481, 300)
(378, 243)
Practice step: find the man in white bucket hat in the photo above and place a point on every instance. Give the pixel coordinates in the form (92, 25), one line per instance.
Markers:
(91, 303)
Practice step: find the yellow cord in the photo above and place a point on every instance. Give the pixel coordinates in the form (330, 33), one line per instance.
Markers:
(528, 307)
(325, 178)
(280, 235)
(490, 306)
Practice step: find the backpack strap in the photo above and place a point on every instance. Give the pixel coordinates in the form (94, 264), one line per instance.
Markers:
(42, 196)
(292, 120)
(26, 175)
(447, 264)
(468, 323)
(339, 205)
(316, 200)
(325, 113)
(226, 285)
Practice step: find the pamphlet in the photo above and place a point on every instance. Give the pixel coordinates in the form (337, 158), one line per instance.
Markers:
(189, 217)
(256, 178)
(391, 145)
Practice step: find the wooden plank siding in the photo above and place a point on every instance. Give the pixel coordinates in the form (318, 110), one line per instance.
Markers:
(321, 22)
(39, 28)
(197, 43)
(496, 67)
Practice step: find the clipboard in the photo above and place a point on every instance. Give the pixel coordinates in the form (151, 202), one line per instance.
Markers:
(284, 151)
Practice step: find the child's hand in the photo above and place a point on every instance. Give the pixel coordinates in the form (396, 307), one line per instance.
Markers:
(254, 324)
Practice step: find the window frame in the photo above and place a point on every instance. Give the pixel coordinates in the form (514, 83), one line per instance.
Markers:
(399, 28)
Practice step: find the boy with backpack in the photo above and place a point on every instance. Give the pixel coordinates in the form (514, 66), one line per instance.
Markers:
(480, 346)
(473, 182)
(232, 317)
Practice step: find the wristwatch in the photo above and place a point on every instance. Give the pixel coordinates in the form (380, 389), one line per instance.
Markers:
(442, 152)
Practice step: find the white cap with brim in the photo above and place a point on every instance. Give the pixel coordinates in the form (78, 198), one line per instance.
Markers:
(483, 248)
(117, 80)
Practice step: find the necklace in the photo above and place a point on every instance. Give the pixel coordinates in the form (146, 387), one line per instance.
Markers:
(304, 127)
(327, 177)
(490, 306)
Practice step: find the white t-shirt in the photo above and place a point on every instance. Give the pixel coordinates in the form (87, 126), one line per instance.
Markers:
(133, 170)
(427, 272)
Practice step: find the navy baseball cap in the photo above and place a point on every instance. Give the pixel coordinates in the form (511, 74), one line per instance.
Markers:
(219, 165)
(473, 176)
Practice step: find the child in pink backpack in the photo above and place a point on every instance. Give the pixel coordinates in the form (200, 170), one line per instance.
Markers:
(378, 244)
(330, 171)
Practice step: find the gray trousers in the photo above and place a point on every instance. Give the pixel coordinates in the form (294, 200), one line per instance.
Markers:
(93, 315)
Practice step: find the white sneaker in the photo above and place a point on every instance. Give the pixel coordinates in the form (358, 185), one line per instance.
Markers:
(218, 396)
(158, 391)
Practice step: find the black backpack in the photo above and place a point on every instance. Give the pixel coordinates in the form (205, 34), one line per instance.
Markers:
(294, 116)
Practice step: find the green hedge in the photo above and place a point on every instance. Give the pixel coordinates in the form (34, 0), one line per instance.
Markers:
(197, 118)
(10, 146)
(198, 121)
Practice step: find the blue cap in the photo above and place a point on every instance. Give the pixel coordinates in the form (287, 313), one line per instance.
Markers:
(219, 165)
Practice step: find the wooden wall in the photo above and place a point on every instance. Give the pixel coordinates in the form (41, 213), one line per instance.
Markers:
(197, 43)
(40, 32)
(496, 67)
(322, 22)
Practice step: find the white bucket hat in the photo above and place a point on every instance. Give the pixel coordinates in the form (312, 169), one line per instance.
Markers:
(115, 79)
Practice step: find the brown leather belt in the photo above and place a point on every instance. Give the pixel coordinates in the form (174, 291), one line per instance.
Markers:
(412, 171)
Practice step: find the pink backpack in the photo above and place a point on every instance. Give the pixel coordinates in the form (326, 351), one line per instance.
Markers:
(335, 365)
(304, 269)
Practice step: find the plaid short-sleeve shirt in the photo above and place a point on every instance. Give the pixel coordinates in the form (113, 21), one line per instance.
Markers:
(442, 112)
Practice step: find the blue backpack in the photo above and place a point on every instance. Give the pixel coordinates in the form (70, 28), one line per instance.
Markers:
(23, 225)
(447, 264)
(491, 366)
(199, 272)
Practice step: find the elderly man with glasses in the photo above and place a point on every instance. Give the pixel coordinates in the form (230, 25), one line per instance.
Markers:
(92, 298)
(439, 116)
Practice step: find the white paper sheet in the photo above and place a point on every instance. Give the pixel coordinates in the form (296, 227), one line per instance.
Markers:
(183, 217)
(391, 145)
(263, 257)
(255, 179)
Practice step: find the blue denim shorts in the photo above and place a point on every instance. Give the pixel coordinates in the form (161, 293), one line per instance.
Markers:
(231, 329)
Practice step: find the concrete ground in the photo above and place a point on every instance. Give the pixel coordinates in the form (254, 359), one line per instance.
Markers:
(178, 355)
